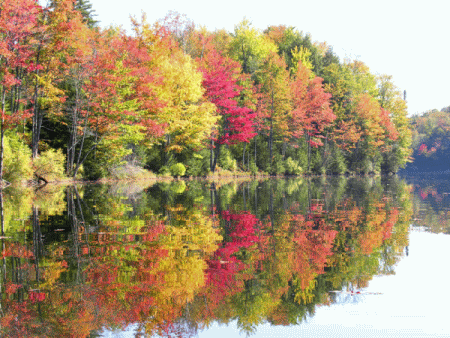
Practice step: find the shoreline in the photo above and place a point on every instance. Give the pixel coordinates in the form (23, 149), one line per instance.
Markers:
(216, 177)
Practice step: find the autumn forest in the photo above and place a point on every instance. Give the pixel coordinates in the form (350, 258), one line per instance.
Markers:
(274, 159)
(171, 98)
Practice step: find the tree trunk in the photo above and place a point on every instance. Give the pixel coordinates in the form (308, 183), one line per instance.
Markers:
(37, 115)
(325, 152)
(255, 149)
(211, 156)
(243, 156)
(2, 134)
(308, 144)
(270, 141)
(216, 156)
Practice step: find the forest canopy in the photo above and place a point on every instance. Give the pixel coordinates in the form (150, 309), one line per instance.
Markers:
(78, 100)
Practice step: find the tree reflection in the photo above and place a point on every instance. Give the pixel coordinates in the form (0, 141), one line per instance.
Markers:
(174, 261)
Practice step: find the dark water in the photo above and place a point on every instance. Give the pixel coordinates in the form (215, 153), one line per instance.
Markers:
(276, 258)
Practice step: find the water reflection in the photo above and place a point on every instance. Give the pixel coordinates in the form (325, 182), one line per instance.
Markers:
(431, 202)
(175, 257)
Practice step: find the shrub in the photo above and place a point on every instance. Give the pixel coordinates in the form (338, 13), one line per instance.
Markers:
(178, 169)
(164, 171)
(292, 167)
(197, 165)
(226, 161)
(16, 160)
(50, 165)
(279, 168)
(253, 168)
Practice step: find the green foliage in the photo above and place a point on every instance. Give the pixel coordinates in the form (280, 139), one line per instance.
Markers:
(17, 159)
(336, 162)
(111, 153)
(278, 167)
(92, 169)
(198, 163)
(249, 46)
(178, 187)
(292, 167)
(226, 161)
(85, 8)
(177, 169)
(164, 170)
(253, 168)
(317, 162)
(50, 165)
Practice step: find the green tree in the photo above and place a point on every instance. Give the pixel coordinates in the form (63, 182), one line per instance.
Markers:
(85, 8)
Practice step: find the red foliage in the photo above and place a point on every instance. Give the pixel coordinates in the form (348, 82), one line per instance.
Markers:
(223, 269)
(34, 296)
(19, 26)
(110, 107)
(312, 112)
(388, 125)
(11, 288)
(423, 149)
(220, 81)
(16, 250)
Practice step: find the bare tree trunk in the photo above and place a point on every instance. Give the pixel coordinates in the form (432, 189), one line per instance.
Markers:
(255, 149)
(270, 140)
(243, 156)
(2, 134)
(216, 156)
(211, 156)
(325, 152)
(37, 114)
(308, 144)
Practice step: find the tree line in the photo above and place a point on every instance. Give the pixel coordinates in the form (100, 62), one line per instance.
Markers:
(177, 99)
(431, 140)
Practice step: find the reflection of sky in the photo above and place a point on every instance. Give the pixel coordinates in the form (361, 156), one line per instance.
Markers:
(413, 302)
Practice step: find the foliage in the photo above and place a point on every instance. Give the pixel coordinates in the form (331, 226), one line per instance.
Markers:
(110, 100)
(226, 161)
(17, 159)
(197, 164)
(177, 169)
(50, 165)
(293, 167)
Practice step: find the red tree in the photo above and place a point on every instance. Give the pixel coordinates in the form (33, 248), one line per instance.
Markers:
(18, 29)
(221, 76)
(312, 113)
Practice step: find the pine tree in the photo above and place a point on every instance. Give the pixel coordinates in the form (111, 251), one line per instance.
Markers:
(85, 8)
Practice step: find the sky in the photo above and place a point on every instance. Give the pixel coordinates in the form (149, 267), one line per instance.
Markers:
(405, 39)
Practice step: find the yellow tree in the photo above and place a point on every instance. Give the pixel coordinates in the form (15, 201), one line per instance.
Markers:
(188, 118)
(274, 83)
(391, 100)
(250, 47)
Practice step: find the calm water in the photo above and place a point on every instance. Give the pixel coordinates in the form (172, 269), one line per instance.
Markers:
(272, 258)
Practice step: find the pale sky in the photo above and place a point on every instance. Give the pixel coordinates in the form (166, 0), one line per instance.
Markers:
(405, 39)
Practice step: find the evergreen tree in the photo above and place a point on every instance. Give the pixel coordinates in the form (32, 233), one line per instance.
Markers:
(85, 8)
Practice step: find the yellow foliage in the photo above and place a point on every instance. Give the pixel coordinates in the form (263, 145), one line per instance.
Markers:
(187, 245)
(189, 120)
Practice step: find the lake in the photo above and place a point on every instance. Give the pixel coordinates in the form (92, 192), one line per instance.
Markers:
(318, 257)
